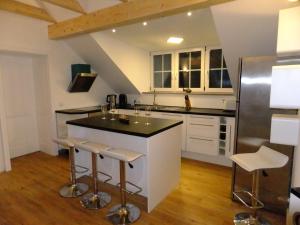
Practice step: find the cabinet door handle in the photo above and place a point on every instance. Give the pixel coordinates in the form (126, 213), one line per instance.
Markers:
(201, 117)
(201, 124)
(201, 139)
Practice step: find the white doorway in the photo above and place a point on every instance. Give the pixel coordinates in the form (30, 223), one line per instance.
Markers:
(18, 92)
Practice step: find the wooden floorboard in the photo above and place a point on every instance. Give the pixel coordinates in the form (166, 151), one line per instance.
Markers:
(29, 196)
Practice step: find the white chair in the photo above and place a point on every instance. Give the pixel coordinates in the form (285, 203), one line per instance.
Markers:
(264, 158)
(95, 199)
(124, 213)
(73, 189)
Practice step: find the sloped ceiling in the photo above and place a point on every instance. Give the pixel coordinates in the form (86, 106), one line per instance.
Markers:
(91, 52)
(247, 28)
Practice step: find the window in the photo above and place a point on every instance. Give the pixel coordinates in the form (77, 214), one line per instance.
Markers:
(173, 71)
(217, 77)
(162, 71)
(190, 69)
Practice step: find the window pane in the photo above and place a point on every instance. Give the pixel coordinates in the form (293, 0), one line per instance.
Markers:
(224, 63)
(157, 63)
(158, 79)
(167, 79)
(183, 79)
(215, 58)
(215, 78)
(195, 79)
(196, 60)
(226, 80)
(184, 61)
(167, 62)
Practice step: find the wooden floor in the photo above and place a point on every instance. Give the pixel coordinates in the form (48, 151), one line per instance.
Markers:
(28, 196)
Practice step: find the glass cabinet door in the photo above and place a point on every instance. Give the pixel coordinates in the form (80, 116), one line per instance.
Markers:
(162, 71)
(217, 78)
(190, 66)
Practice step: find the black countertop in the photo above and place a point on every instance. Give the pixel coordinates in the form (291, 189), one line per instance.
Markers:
(160, 108)
(156, 125)
(84, 110)
(296, 191)
(182, 110)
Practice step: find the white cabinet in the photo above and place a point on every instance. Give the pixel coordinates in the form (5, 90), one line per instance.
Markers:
(202, 134)
(177, 116)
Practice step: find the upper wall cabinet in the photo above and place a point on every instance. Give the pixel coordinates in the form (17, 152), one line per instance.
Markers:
(201, 69)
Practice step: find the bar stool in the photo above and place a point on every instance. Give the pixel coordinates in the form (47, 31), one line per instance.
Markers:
(73, 189)
(264, 158)
(124, 213)
(95, 199)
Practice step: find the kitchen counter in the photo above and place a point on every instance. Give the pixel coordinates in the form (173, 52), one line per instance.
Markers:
(182, 110)
(159, 108)
(83, 110)
(296, 191)
(156, 125)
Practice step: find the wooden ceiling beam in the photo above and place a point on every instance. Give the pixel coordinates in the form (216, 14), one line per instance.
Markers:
(67, 4)
(123, 14)
(26, 10)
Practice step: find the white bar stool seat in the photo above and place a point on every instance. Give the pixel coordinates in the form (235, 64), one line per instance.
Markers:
(73, 189)
(95, 199)
(264, 158)
(124, 213)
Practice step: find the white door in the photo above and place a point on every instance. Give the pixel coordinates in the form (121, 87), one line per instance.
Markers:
(19, 104)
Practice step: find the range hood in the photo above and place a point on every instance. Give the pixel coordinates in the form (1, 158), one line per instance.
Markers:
(82, 78)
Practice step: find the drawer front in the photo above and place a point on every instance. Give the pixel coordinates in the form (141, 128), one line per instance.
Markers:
(207, 120)
(203, 145)
(203, 130)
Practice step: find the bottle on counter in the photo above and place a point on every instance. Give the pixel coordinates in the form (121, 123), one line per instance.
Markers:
(188, 105)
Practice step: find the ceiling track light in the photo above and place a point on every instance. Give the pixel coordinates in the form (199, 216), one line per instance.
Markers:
(189, 13)
(114, 30)
(145, 23)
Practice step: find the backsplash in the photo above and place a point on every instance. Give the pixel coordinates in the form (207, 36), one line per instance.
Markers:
(199, 101)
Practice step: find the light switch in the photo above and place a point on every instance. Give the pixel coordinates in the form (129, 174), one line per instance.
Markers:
(285, 129)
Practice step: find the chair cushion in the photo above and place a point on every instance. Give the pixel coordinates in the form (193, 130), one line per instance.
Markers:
(264, 158)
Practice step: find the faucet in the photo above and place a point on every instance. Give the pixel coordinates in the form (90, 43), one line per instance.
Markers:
(154, 98)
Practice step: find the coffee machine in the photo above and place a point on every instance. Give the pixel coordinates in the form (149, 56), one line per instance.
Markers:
(111, 100)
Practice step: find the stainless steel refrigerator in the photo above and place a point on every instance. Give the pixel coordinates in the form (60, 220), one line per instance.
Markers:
(253, 130)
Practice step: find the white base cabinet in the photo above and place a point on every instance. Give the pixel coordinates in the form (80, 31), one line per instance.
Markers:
(204, 137)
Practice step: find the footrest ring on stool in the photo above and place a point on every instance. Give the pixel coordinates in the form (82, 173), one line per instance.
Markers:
(258, 205)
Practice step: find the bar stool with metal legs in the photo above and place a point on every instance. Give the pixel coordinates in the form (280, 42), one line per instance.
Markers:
(264, 158)
(124, 213)
(95, 199)
(73, 189)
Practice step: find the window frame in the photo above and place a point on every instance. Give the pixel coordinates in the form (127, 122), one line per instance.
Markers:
(202, 79)
(152, 54)
(207, 63)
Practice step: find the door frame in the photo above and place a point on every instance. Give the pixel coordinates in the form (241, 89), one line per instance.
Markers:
(3, 127)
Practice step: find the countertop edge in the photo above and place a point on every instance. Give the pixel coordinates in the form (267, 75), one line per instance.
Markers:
(127, 132)
(296, 191)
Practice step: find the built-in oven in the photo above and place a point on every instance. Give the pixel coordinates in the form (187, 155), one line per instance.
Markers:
(293, 217)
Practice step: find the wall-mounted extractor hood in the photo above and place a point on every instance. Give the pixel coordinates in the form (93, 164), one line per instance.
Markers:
(82, 78)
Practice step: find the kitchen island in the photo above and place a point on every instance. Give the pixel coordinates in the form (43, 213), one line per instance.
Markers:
(157, 172)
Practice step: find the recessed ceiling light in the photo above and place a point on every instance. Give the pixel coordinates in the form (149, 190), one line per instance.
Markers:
(145, 23)
(189, 14)
(175, 40)
(114, 30)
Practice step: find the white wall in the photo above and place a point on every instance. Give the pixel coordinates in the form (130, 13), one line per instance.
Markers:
(289, 32)
(23, 34)
(132, 61)
(247, 28)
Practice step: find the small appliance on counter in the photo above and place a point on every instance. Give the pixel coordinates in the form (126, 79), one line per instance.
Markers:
(122, 101)
(112, 101)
